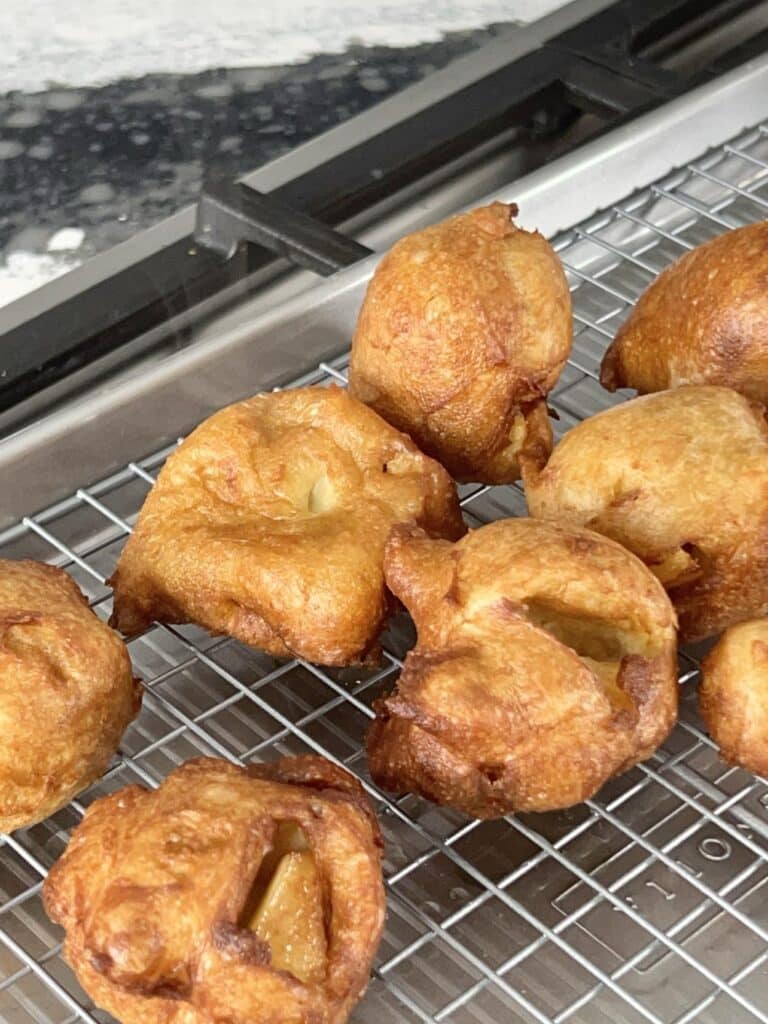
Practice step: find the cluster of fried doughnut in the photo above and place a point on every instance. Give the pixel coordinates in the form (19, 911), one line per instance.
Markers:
(680, 475)
(546, 653)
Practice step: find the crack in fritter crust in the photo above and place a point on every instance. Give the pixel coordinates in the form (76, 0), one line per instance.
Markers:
(545, 663)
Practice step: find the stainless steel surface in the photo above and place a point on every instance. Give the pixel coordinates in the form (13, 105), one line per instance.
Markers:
(647, 903)
(275, 282)
(513, 43)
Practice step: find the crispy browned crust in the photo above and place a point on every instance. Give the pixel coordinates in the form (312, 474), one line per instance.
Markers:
(67, 692)
(152, 884)
(494, 713)
(733, 696)
(464, 330)
(704, 320)
(681, 475)
(269, 523)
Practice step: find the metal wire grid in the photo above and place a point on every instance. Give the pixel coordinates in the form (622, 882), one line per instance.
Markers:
(647, 903)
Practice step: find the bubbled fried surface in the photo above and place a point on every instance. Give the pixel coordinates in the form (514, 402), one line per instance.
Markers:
(545, 663)
(681, 479)
(464, 330)
(269, 523)
(67, 692)
(704, 320)
(152, 885)
(733, 695)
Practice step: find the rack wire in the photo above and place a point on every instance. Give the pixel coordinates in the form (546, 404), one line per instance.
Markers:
(645, 904)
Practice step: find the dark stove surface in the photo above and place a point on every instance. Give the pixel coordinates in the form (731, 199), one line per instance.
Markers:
(83, 169)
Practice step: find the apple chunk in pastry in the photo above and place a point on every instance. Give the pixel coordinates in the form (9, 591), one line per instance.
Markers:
(269, 524)
(246, 895)
(545, 664)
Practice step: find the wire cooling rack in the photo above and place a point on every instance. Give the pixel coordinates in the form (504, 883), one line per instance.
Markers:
(647, 903)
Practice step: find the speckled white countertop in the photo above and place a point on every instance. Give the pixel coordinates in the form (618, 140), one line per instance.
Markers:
(112, 110)
(84, 42)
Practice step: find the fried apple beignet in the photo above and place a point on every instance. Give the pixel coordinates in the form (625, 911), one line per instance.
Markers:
(269, 523)
(704, 320)
(681, 479)
(251, 896)
(464, 330)
(67, 692)
(733, 695)
(545, 664)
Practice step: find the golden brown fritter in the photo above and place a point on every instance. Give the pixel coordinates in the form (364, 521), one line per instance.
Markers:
(733, 695)
(269, 522)
(681, 479)
(67, 692)
(545, 664)
(245, 896)
(464, 330)
(704, 320)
